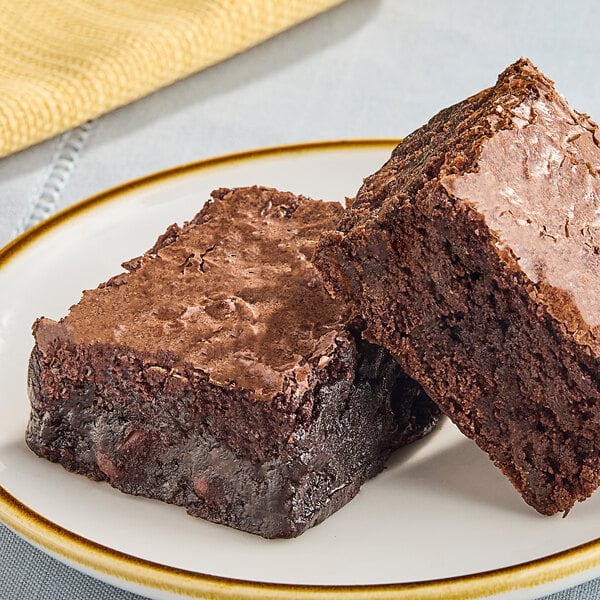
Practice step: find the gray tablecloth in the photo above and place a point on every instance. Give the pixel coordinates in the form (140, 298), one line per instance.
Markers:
(370, 68)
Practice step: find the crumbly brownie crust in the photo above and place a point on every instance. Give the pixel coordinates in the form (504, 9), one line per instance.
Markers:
(474, 257)
(219, 375)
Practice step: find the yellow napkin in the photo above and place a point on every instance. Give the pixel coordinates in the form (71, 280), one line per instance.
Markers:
(63, 62)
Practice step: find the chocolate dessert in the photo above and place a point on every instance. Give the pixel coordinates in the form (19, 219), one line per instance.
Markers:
(218, 374)
(473, 255)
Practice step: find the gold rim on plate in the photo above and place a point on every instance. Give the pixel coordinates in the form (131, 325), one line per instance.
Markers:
(118, 566)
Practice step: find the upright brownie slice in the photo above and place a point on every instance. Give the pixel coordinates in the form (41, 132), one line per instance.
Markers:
(219, 375)
(474, 257)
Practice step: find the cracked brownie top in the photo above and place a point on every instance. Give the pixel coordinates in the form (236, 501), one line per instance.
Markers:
(243, 304)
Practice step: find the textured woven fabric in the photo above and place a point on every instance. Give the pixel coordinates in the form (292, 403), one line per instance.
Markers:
(62, 63)
(28, 574)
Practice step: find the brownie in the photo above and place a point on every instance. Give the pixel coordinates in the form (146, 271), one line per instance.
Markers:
(473, 255)
(219, 375)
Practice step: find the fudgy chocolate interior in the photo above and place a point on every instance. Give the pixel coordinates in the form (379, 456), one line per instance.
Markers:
(473, 257)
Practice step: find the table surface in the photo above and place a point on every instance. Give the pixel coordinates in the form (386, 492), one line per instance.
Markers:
(367, 69)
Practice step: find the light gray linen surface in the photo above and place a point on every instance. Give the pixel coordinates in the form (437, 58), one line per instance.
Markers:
(370, 68)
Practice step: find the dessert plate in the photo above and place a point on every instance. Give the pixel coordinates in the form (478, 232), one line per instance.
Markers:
(439, 522)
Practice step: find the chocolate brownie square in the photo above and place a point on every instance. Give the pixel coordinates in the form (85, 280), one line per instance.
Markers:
(473, 255)
(218, 374)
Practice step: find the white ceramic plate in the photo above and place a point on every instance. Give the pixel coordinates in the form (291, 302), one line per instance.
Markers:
(440, 522)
